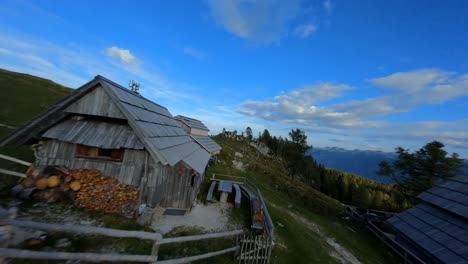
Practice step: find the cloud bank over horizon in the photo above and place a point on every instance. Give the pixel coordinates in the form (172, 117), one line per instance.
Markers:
(402, 92)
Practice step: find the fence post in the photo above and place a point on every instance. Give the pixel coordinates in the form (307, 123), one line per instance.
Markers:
(6, 231)
(155, 250)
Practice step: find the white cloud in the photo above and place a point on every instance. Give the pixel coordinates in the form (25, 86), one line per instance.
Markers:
(73, 65)
(123, 55)
(194, 53)
(413, 80)
(262, 20)
(301, 106)
(425, 86)
(305, 30)
(328, 6)
(314, 93)
(311, 108)
(35, 57)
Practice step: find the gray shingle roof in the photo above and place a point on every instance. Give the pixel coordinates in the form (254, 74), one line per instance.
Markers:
(95, 133)
(162, 135)
(451, 195)
(207, 143)
(439, 224)
(192, 122)
(157, 128)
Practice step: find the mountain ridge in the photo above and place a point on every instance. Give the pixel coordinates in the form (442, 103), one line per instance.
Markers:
(360, 162)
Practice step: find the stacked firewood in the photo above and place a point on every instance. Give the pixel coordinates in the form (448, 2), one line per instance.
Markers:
(103, 193)
(83, 187)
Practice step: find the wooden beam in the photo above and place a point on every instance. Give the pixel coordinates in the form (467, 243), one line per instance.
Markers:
(14, 173)
(200, 237)
(91, 230)
(5, 157)
(198, 257)
(92, 257)
(236, 182)
(226, 175)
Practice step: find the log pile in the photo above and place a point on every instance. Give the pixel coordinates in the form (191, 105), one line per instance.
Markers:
(84, 188)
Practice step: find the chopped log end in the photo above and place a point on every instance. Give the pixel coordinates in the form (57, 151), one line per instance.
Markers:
(42, 183)
(53, 181)
(75, 185)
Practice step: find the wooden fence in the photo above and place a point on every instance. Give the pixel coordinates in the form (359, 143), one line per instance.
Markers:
(14, 173)
(255, 248)
(369, 218)
(6, 222)
(399, 249)
(363, 214)
(270, 228)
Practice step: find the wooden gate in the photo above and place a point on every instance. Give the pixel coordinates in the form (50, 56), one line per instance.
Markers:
(255, 248)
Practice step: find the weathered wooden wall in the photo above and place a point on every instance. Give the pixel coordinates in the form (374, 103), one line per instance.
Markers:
(169, 189)
(164, 186)
(197, 131)
(97, 103)
(128, 171)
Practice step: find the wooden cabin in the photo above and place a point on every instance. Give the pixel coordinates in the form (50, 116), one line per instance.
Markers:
(436, 229)
(105, 126)
(199, 132)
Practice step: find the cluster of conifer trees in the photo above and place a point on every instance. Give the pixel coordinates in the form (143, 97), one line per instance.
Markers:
(423, 169)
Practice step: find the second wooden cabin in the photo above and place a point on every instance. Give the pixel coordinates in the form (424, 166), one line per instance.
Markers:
(199, 132)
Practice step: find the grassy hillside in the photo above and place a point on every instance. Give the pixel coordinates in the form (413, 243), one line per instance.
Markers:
(23, 96)
(307, 221)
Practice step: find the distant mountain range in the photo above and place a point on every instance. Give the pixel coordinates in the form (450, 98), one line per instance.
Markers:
(361, 162)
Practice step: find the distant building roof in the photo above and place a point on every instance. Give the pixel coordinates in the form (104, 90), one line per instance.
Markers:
(439, 224)
(207, 143)
(192, 122)
(160, 133)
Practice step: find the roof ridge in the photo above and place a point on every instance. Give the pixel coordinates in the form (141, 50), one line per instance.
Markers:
(186, 117)
(192, 122)
(100, 77)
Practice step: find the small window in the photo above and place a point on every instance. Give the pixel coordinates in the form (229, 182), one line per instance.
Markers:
(83, 151)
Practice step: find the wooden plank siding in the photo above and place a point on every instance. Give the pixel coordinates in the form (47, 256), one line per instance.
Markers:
(197, 131)
(98, 103)
(169, 189)
(164, 186)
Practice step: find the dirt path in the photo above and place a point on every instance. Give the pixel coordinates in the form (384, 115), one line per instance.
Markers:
(339, 252)
(213, 217)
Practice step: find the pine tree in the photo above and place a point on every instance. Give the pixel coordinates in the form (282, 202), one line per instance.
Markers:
(248, 133)
(417, 172)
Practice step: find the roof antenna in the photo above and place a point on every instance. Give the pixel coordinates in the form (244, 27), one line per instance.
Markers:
(134, 86)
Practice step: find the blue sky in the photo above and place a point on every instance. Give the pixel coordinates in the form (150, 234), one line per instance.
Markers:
(365, 75)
